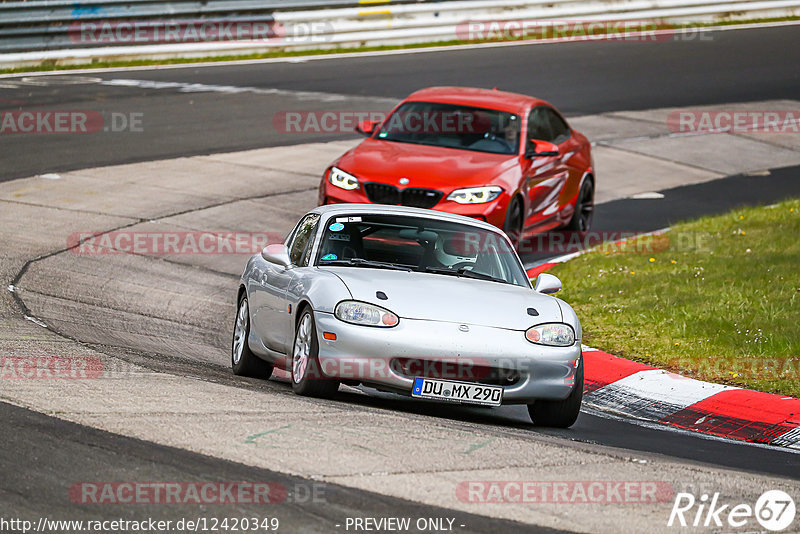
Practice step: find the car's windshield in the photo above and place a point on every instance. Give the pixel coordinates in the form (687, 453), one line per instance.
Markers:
(452, 126)
(419, 244)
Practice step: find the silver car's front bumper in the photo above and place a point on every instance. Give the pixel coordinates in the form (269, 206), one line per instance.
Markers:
(373, 355)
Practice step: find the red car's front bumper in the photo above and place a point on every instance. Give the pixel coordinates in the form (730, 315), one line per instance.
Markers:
(493, 212)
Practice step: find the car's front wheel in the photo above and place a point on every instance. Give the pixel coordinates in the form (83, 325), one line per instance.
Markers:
(513, 223)
(307, 377)
(243, 361)
(584, 209)
(560, 413)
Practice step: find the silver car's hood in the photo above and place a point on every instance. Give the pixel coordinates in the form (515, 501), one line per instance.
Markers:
(439, 297)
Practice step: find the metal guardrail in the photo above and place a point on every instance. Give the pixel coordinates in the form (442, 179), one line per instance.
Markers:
(55, 31)
(45, 24)
(48, 11)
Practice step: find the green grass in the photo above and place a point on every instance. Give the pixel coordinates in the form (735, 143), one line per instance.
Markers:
(716, 299)
(50, 65)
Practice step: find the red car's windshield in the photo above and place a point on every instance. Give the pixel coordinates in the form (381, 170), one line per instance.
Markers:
(453, 126)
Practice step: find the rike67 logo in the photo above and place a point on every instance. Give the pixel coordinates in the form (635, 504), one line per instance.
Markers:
(774, 510)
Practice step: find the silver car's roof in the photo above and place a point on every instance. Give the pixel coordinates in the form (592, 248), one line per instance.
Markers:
(383, 209)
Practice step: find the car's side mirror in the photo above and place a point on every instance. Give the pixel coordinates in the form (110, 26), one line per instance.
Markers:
(277, 254)
(540, 149)
(367, 127)
(547, 284)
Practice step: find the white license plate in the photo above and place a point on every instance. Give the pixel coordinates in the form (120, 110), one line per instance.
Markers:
(463, 392)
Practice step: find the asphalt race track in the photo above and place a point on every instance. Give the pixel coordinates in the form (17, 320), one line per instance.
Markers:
(639, 215)
(218, 115)
(579, 78)
(52, 446)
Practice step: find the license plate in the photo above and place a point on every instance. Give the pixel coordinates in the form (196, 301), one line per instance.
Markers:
(462, 392)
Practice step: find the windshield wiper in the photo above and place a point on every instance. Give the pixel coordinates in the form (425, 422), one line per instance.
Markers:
(360, 262)
(463, 271)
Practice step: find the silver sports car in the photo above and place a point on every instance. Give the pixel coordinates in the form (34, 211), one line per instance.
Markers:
(411, 301)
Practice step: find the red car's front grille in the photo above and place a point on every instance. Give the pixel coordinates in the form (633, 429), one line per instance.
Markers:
(412, 196)
(382, 193)
(420, 198)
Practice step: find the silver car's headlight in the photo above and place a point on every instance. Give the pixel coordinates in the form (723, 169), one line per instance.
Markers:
(339, 178)
(553, 334)
(355, 312)
(475, 195)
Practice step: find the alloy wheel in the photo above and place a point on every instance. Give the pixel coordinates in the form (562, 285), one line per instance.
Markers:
(240, 331)
(302, 349)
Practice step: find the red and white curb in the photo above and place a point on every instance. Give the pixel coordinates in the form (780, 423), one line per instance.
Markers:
(536, 270)
(635, 390)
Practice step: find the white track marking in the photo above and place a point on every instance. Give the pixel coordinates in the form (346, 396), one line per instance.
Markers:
(790, 439)
(650, 195)
(231, 89)
(36, 321)
(60, 80)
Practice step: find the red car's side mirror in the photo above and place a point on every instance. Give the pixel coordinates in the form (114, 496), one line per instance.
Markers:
(367, 127)
(538, 148)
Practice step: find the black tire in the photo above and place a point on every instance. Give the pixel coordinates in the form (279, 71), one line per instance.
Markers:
(243, 361)
(584, 209)
(309, 381)
(513, 223)
(561, 413)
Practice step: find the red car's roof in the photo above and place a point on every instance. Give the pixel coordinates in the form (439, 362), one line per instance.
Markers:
(482, 98)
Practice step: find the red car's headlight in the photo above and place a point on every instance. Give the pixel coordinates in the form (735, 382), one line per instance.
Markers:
(475, 195)
(341, 179)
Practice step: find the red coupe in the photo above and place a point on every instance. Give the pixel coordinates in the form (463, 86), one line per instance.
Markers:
(508, 159)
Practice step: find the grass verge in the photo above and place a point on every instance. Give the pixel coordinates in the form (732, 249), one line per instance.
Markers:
(52, 65)
(716, 299)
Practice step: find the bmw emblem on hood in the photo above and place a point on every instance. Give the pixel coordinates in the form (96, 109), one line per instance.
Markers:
(404, 181)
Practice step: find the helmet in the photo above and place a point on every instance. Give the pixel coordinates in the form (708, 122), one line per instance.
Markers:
(457, 247)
